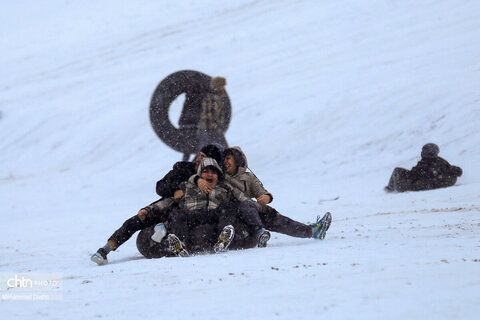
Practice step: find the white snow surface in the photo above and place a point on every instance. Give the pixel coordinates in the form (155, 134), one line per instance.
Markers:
(327, 96)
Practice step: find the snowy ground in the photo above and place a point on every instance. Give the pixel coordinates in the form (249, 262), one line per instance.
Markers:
(328, 97)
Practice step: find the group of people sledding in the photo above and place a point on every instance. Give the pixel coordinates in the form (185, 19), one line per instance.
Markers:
(213, 204)
(209, 205)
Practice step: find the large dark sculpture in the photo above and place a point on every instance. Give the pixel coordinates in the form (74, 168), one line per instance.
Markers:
(195, 85)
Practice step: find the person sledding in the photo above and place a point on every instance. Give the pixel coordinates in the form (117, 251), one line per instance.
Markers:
(431, 172)
(236, 174)
(220, 206)
(159, 210)
(200, 235)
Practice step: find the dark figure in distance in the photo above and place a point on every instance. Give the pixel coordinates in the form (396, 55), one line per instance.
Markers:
(431, 172)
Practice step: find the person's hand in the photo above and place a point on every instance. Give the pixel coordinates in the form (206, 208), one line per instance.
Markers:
(142, 214)
(177, 195)
(263, 199)
(203, 186)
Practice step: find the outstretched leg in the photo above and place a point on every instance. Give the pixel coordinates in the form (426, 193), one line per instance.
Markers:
(399, 180)
(248, 213)
(276, 222)
(125, 232)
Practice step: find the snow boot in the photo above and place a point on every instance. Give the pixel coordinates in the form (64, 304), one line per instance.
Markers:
(262, 238)
(160, 232)
(321, 226)
(100, 257)
(224, 239)
(176, 246)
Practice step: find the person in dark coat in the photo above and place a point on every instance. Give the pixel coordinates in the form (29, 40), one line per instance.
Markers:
(157, 211)
(220, 206)
(204, 116)
(213, 117)
(183, 170)
(431, 172)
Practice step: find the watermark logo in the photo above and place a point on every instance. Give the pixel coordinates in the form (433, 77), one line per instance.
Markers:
(31, 286)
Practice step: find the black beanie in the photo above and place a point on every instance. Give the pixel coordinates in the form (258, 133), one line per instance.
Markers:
(430, 150)
(212, 151)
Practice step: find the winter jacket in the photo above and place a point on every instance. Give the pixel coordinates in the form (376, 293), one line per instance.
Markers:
(181, 171)
(432, 173)
(433, 168)
(212, 115)
(194, 199)
(244, 181)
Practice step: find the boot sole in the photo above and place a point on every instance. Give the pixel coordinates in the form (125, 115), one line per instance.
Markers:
(98, 260)
(176, 246)
(328, 222)
(263, 239)
(223, 244)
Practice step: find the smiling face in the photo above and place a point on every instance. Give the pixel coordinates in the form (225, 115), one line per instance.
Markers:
(210, 175)
(230, 165)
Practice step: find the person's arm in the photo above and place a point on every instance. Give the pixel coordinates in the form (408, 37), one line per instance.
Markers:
(265, 199)
(167, 186)
(456, 171)
(451, 170)
(202, 184)
(258, 191)
(155, 207)
(180, 193)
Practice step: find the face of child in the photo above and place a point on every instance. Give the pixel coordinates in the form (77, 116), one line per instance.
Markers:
(230, 165)
(211, 176)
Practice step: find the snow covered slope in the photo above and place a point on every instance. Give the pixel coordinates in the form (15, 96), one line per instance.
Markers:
(328, 97)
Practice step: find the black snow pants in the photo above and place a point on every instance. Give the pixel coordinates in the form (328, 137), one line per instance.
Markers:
(184, 223)
(274, 221)
(134, 224)
(400, 181)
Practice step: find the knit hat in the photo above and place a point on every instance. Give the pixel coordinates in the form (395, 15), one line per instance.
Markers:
(218, 83)
(212, 151)
(430, 150)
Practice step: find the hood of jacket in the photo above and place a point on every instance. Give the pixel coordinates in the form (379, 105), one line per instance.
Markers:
(210, 162)
(240, 159)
